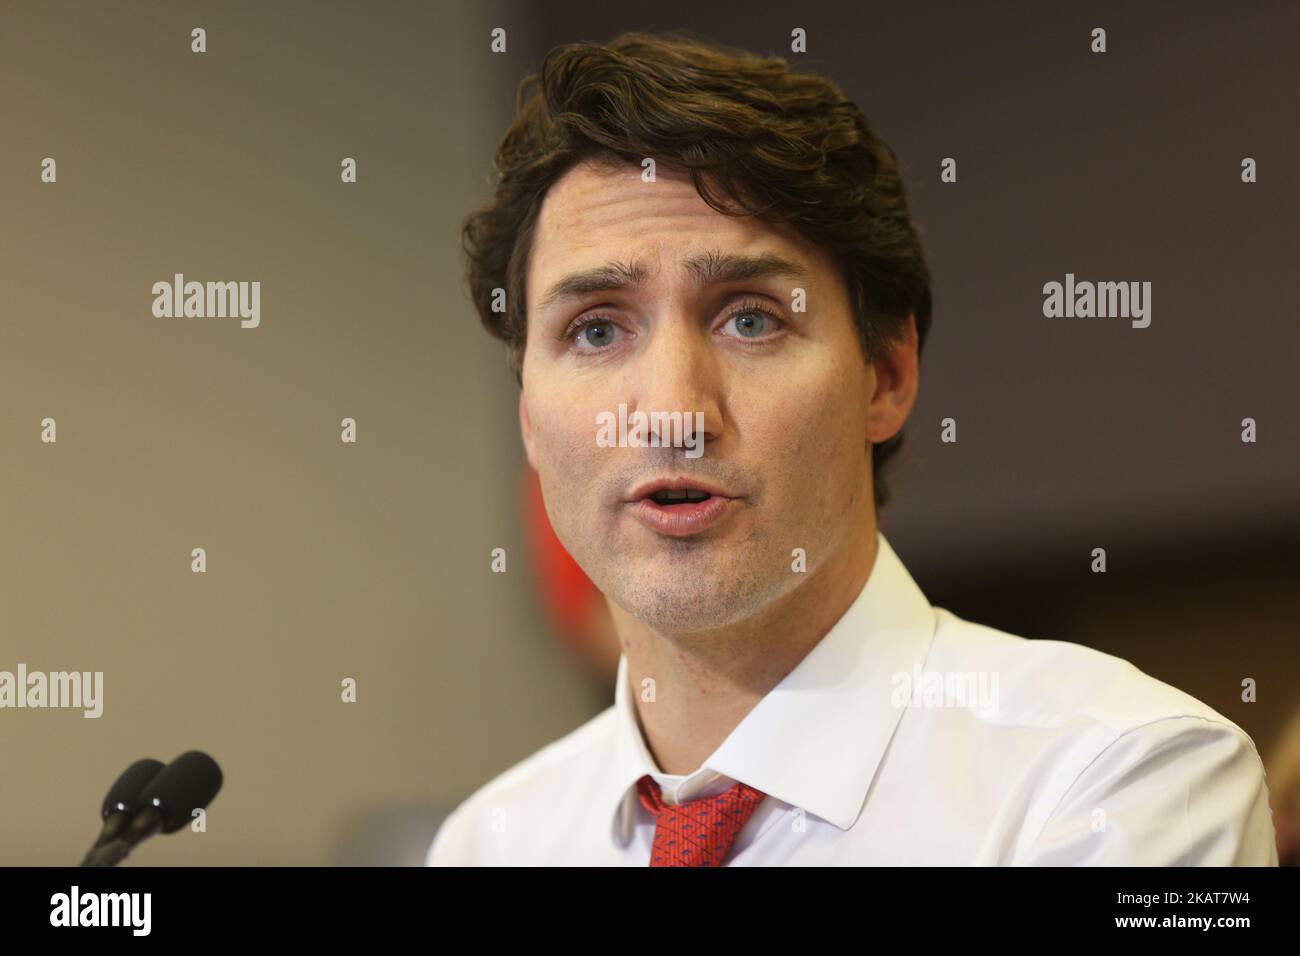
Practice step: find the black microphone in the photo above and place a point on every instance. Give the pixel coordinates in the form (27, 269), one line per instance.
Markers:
(123, 799)
(165, 804)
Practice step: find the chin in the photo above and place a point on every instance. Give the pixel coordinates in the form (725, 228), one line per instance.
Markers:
(684, 600)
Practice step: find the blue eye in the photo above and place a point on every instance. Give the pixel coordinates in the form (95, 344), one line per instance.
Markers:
(750, 324)
(754, 323)
(596, 334)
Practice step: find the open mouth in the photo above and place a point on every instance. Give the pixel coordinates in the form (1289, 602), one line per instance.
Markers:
(673, 497)
(682, 509)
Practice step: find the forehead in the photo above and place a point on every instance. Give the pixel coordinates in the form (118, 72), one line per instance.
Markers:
(595, 213)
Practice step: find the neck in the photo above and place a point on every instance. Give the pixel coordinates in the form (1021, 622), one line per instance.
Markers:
(707, 681)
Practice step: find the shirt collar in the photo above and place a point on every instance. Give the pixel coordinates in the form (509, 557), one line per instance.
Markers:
(838, 700)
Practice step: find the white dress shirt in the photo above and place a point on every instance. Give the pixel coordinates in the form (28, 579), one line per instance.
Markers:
(908, 736)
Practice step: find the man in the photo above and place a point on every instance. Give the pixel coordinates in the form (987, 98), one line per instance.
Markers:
(680, 227)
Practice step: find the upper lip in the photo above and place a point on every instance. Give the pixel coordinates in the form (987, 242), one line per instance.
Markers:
(677, 484)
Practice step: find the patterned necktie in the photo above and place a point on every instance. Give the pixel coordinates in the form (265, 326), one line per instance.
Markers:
(697, 832)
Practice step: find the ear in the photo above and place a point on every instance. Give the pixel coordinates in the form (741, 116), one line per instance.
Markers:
(896, 373)
(526, 429)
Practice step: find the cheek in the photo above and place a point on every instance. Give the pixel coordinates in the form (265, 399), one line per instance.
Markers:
(565, 445)
(813, 420)
(553, 437)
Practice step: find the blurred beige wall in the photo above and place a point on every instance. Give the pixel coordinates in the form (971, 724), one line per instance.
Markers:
(325, 560)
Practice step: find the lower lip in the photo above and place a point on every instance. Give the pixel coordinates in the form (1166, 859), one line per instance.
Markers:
(680, 521)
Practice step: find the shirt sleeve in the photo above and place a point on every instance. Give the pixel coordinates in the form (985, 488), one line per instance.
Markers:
(1179, 791)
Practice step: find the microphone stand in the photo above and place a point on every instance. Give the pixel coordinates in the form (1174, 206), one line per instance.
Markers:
(114, 849)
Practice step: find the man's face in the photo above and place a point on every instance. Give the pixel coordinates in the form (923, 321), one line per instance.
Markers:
(784, 396)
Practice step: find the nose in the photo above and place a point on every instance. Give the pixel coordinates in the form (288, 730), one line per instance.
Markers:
(678, 370)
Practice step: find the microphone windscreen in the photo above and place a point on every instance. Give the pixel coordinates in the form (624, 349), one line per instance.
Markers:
(124, 795)
(186, 784)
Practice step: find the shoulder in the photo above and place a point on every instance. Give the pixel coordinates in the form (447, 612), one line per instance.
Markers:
(560, 771)
(1049, 683)
(1130, 770)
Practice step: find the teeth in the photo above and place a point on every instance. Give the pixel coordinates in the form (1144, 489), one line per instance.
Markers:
(680, 494)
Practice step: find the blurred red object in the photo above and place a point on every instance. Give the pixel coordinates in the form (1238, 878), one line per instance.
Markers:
(566, 592)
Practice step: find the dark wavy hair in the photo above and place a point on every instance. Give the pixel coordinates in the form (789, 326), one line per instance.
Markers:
(782, 146)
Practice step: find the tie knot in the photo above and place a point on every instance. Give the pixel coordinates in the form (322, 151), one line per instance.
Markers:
(697, 832)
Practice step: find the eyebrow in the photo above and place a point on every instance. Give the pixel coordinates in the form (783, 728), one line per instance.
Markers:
(707, 268)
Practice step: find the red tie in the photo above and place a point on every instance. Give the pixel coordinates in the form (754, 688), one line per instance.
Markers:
(697, 832)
